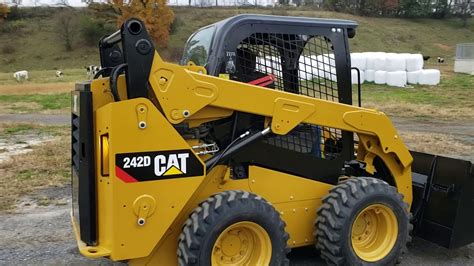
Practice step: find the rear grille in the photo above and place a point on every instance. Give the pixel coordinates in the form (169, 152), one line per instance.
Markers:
(82, 164)
(300, 64)
(75, 142)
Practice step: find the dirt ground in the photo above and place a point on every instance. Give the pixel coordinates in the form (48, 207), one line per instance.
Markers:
(36, 234)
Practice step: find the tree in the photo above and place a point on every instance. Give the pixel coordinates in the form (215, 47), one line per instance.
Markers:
(16, 2)
(62, 2)
(3, 12)
(464, 9)
(441, 8)
(92, 28)
(297, 2)
(156, 15)
(66, 27)
(415, 8)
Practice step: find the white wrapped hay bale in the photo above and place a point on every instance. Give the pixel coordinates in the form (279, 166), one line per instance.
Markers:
(380, 61)
(429, 77)
(302, 74)
(413, 77)
(370, 60)
(395, 62)
(268, 64)
(306, 67)
(414, 62)
(354, 77)
(397, 78)
(358, 60)
(310, 67)
(380, 77)
(330, 73)
(369, 75)
(325, 60)
(374, 60)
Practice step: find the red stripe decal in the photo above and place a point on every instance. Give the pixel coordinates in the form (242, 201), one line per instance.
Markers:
(124, 176)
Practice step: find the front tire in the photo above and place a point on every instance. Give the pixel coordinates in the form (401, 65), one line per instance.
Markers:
(233, 227)
(362, 221)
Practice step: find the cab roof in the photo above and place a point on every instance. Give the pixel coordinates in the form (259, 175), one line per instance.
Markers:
(283, 20)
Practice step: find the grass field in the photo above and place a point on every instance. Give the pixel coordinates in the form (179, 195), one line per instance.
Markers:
(451, 99)
(45, 76)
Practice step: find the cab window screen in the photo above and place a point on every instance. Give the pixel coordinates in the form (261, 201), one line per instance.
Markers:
(300, 64)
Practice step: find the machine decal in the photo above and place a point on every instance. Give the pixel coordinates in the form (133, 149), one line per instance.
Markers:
(148, 166)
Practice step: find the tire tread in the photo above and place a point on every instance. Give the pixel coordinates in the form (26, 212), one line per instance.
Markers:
(336, 209)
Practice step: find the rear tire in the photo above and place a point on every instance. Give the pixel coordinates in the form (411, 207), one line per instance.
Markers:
(233, 227)
(362, 221)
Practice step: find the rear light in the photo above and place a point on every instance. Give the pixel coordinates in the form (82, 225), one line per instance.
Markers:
(104, 154)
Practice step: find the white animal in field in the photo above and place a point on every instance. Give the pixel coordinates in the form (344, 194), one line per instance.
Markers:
(92, 70)
(59, 74)
(21, 75)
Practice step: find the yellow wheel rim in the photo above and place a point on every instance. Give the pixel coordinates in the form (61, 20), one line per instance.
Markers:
(374, 232)
(243, 243)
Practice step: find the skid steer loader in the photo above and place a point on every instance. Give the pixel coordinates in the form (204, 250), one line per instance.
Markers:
(249, 148)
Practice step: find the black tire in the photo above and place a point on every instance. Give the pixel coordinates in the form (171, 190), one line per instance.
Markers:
(213, 216)
(339, 211)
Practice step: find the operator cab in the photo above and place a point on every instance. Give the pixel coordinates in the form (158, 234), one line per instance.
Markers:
(293, 54)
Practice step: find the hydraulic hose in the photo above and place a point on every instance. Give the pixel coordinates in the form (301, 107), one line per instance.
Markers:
(116, 71)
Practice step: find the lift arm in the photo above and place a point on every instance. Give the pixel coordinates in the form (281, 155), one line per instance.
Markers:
(182, 93)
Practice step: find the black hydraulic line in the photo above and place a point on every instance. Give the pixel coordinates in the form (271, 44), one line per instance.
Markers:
(116, 71)
(235, 146)
(234, 126)
(101, 72)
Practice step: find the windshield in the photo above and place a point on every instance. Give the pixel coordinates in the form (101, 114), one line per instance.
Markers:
(198, 47)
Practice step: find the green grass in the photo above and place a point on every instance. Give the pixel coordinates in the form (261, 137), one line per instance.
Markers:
(14, 129)
(17, 128)
(454, 91)
(451, 99)
(43, 101)
(45, 76)
(25, 174)
(37, 46)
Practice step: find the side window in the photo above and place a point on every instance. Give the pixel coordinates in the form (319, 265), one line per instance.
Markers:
(299, 64)
(198, 47)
